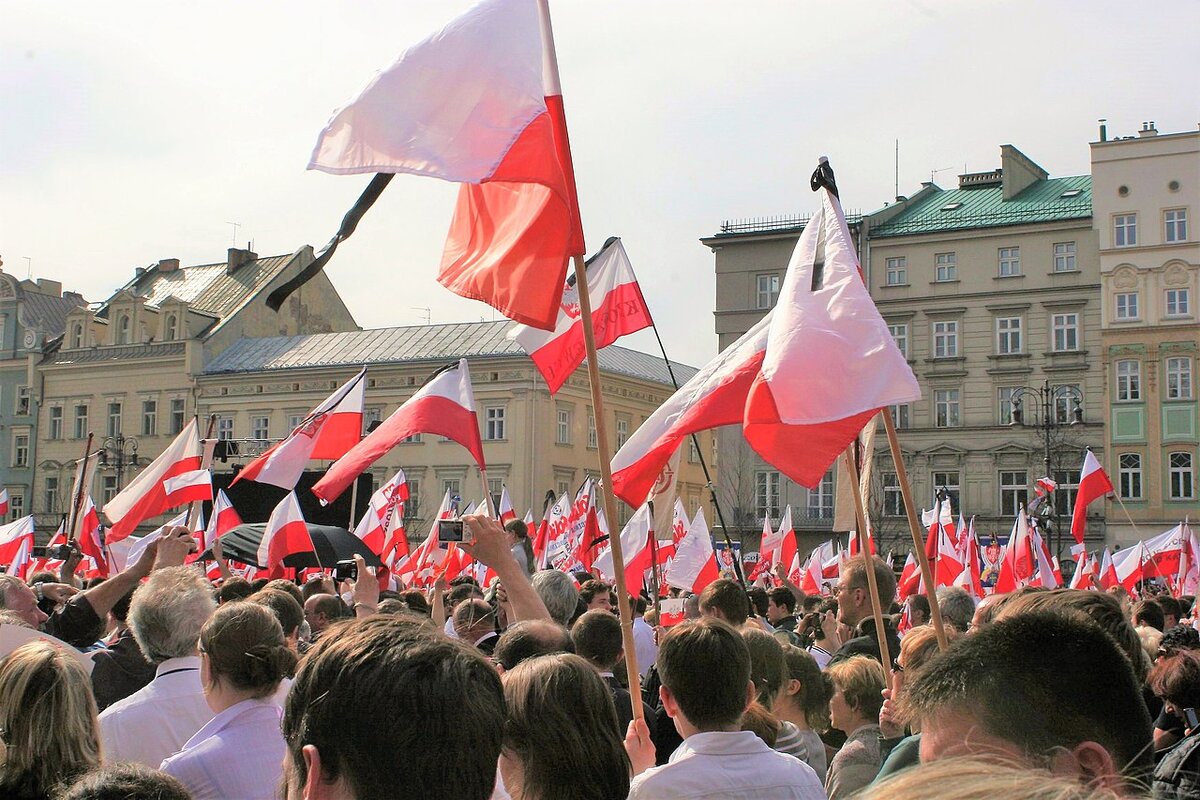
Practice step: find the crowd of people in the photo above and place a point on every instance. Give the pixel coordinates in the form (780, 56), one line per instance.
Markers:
(519, 689)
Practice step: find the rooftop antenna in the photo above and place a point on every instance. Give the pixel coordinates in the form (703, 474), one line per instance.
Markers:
(897, 192)
(235, 225)
(933, 173)
(28, 267)
(428, 313)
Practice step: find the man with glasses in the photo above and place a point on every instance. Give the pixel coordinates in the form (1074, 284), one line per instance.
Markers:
(855, 610)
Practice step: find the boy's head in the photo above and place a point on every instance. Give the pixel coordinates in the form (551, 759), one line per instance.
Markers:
(705, 669)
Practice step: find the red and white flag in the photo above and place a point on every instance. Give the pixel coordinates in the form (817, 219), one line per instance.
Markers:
(328, 432)
(90, 541)
(1083, 570)
(618, 308)
(1016, 568)
(910, 578)
(1047, 575)
(3, 503)
(802, 382)
(814, 573)
(635, 549)
(1189, 565)
(1123, 568)
(553, 533)
(970, 579)
(478, 103)
(430, 554)
(189, 487)
(1164, 553)
(767, 542)
(506, 512)
(381, 529)
(695, 563)
(1093, 484)
(13, 537)
(285, 535)
(146, 495)
(445, 405)
(224, 518)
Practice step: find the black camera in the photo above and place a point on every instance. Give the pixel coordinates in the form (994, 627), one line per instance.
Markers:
(450, 530)
(345, 570)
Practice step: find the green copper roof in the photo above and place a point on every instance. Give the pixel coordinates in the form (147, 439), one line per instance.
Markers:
(962, 209)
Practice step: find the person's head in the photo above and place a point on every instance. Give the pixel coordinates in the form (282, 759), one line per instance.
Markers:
(321, 611)
(1176, 679)
(48, 720)
(558, 593)
(1040, 687)
(284, 585)
(416, 602)
(980, 779)
(517, 530)
(597, 638)
(120, 609)
(462, 591)
(958, 607)
(167, 612)
(767, 666)
(758, 600)
(1148, 613)
(1180, 637)
(334, 732)
(317, 584)
(805, 688)
(856, 700)
(704, 666)
(781, 603)
(234, 589)
(473, 619)
(853, 591)
(725, 600)
(810, 603)
(985, 610)
(1150, 638)
(918, 609)
(285, 608)
(17, 597)
(917, 648)
(528, 639)
(242, 650)
(125, 780)
(562, 729)
(1172, 611)
(596, 594)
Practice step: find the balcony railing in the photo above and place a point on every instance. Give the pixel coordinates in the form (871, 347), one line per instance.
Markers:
(785, 222)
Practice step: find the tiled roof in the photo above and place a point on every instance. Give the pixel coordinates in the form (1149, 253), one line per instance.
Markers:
(124, 352)
(49, 312)
(433, 343)
(962, 209)
(209, 288)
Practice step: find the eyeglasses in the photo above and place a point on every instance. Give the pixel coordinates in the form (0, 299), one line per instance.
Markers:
(897, 666)
(838, 590)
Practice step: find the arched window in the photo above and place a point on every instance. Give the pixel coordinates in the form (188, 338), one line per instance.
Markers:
(123, 327)
(170, 328)
(77, 335)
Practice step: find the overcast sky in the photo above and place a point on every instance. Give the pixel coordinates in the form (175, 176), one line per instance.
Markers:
(136, 131)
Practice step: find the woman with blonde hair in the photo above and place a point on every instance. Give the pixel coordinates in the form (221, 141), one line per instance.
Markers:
(50, 733)
(858, 684)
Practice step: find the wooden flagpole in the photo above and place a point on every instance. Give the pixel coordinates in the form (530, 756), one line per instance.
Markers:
(864, 548)
(80, 491)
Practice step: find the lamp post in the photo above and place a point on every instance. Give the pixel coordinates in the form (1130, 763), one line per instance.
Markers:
(1046, 421)
(118, 453)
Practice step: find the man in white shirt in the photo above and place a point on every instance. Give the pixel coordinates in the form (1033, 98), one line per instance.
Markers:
(706, 687)
(643, 638)
(166, 615)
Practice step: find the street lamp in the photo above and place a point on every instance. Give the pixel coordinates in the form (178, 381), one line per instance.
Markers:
(118, 453)
(1046, 421)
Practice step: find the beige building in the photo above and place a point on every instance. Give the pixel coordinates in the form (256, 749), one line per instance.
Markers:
(1146, 196)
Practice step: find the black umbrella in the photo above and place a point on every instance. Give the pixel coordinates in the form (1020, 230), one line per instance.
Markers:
(332, 545)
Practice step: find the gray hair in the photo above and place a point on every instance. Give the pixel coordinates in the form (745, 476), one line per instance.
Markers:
(558, 592)
(168, 611)
(957, 606)
(7, 584)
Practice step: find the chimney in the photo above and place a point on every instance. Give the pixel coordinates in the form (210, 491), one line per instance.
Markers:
(1103, 130)
(237, 258)
(1148, 129)
(47, 286)
(168, 264)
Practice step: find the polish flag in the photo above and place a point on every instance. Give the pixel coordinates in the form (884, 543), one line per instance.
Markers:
(53, 565)
(429, 555)
(618, 308)
(969, 579)
(815, 573)
(328, 432)
(13, 536)
(445, 405)
(146, 495)
(695, 563)
(1093, 484)
(1189, 565)
(1046, 577)
(784, 550)
(554, 537)
(189, 487)
(635, 548)
(1083, 569)
(90, 542)
(224, 518)
(1016, 568)
(3, 503)
(679, 522)
(1125, 568)
(383, 509)
(528, 520)
(1106, 576)
(910, 578)
(802, 382)
(18, 565)
(286, 534)
(766, 543)
(1163, 553)
(478, 103)
(852, 542)
(506, 512)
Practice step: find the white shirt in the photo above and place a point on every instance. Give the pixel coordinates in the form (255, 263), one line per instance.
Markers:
(731, 766)
(158, 719)
(239, 753)
(643, 645)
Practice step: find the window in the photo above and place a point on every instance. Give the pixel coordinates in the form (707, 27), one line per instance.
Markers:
(1125, 230)
(50, 495)
(108, 489)
(768, 291)
(16, 504)
(1064, 257)
(414, 439)
(224, 427)
(893, 498)
(1127, 305)
(1068, 488)
(170, 328)
(593, 440)
(1182, 476)
(1178, 304)
(897, 271)
(1179, 378)
(945, 339)
(55, 428)
(1005, 395)
(1065, 396)
(149, 417)
(1175, 222)
(260, 427)
(622, 431)
(1065, 330)
(370, 417)
(1130, 476)
(20, 451)
(412, 506)
(177, 407)
(693, 451)
(1010, 261)
(493, 427)
(949, 482)
(453, 486)
(900, 336)
(81, 421)
(766, 495)
(24, 401)
(114, 419)
(77, 336)
(563, 433)
(945, 267)
(820, 499)
(1008, 335)
(946, 408)
(900, 416)
(1129, 380)
(1014, 492)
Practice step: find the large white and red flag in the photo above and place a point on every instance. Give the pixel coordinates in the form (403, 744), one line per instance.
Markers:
(1093, 484)
(1016, 568)
(13, 536)
(1123, 568)
(328, 432)
(478, 103)
(286, 534)
(1164, 553)
(618, 308)
(910, 578)
(146, 495)
(193, 486)
(802, 382)
(635, 548)
(445, 405)
(695, 563)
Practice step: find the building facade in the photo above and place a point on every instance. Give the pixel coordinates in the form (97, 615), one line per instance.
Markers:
(1146, 196)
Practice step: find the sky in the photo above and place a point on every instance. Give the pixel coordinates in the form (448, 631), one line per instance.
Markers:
(136, 131)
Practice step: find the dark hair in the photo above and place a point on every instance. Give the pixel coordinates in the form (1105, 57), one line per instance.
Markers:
(258, 583)
(727, 599)
(1176, 679)
(759, 720)
(284, 585)
(329, 605)
(815, 688)
(783, 598)
(314, 585)
(245, 646)
(234, 589)
(597, 637)
(919, 602)
(1021, 678)
(416, 674)
(530, 638)
(415, 600)
(1170, 606)
(519, 529)
(1150, 613)
(758, 600)
(125, 780)
(811, 602)
(767, 665)
(705, 665)
(1181, 637)
(562, 727)
(464, 580)
(120, 609)
(461, 591)
(589, 590)
(285, 607)
(471, 613)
